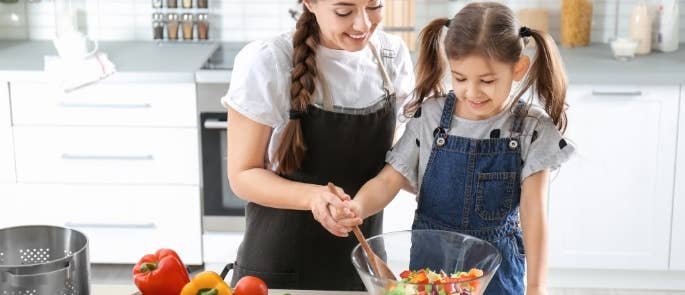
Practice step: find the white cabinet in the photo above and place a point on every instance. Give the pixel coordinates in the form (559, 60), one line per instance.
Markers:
(7, 174)
(678, 230)
(107, 155)
(122, 223)
(610, 206)
(118, 161)
(119, 104)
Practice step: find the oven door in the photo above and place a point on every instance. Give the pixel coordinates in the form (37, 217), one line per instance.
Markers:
(218, 199)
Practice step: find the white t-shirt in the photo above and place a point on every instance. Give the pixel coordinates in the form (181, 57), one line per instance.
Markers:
(261, 79)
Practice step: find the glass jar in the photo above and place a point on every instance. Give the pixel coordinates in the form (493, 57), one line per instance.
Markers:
(201, 3)
(202, 26)
(157, 3)
(157, 26)
(532, 14)
(172, 3)
(576, 22)
(187, 3)
(172, 26)
(188, 23)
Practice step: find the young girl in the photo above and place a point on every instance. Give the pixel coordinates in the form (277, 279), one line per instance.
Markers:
(476, 155)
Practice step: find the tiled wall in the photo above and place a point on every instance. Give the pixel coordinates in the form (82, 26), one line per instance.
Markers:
(243, 20)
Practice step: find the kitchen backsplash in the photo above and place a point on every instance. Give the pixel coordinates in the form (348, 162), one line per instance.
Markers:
(244, 20)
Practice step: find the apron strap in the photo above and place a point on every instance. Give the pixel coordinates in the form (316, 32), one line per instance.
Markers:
(387, 83)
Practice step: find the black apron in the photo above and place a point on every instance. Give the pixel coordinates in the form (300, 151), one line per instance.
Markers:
(288, 249)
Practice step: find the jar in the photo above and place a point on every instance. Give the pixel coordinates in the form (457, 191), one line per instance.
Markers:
(187, 3)
(172, 26)
(532, 14)
(172, 3)
(201, 3)
(202, 26)
(641, 27)
(576, 22)
(156, 3)
(188, 23)
(157, 26)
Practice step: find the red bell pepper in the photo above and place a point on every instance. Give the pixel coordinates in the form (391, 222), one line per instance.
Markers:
(161, 273)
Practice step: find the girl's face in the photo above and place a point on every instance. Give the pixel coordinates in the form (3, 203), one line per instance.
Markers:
(482, 85)
(346, 24)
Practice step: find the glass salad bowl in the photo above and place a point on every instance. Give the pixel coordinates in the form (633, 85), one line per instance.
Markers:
(429, 262)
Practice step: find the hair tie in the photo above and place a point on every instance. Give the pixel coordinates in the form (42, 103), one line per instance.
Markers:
(448, 22)
(525, 32)
(296, 115)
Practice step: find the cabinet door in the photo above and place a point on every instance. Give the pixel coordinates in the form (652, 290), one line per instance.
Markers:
(610, 206)
(7, 173)
(678, 230)
(122, 222)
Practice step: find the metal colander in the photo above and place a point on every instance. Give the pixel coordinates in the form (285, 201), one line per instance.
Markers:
(43, 260)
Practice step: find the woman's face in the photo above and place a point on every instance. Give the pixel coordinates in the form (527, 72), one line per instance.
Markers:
(346, 24)
(482, 85)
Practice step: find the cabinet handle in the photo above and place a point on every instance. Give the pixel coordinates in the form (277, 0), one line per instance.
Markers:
(616, 93)
(214, 124)
(110, 225)
(107, 157)
(105, 105)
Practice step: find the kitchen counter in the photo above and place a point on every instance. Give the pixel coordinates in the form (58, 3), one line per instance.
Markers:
(134, 60)
(126, 289)
(169, 62)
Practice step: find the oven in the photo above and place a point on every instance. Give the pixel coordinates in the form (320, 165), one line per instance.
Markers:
(222, 210)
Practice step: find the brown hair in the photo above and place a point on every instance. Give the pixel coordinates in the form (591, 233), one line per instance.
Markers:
(291, 151)
(490, 29)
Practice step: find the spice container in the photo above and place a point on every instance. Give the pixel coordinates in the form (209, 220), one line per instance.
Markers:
(157, 26)
(156, 3)
(187, 3)
(188, 23)
(202, 26)
(201, 3)
(576, 22)
(172, 3)
(172, 26)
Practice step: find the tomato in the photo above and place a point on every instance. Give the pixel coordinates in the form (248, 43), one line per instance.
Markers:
(249, 285)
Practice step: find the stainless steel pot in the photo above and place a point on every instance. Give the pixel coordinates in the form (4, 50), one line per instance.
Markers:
(43, 260)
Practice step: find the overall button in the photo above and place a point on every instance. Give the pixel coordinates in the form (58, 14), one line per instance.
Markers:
(440, 141)
(513, 144)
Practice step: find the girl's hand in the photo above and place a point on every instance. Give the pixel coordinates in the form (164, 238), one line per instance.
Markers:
(320, 203)
(350, 217)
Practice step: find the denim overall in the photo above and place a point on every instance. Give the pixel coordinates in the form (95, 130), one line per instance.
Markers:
(472, 186)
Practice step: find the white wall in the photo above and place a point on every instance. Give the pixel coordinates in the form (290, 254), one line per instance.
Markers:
(243, 20)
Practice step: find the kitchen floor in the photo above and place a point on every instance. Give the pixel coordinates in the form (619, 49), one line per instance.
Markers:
(117, 280)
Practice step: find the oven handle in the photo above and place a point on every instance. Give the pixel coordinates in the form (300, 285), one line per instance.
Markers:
(215, 124)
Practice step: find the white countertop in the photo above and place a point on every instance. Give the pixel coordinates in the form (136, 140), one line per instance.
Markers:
(126, 289)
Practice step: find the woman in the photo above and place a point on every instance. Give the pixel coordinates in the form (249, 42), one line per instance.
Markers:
(306, 108)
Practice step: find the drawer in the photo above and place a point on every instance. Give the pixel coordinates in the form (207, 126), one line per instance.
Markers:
(107, 155)
(165, 105)
(122, 223)
(7, 174)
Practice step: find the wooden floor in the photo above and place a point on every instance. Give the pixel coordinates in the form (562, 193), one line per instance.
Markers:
(112, 279)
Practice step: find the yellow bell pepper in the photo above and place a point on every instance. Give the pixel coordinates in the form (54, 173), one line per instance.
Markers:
(206, 283)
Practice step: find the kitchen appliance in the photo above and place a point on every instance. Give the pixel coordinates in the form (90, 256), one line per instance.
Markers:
(71, 44)
(438, 250)
(222, 210)
(45, 260)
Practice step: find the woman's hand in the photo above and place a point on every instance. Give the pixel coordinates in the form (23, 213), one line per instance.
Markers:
(323, 202)
(350, 217)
